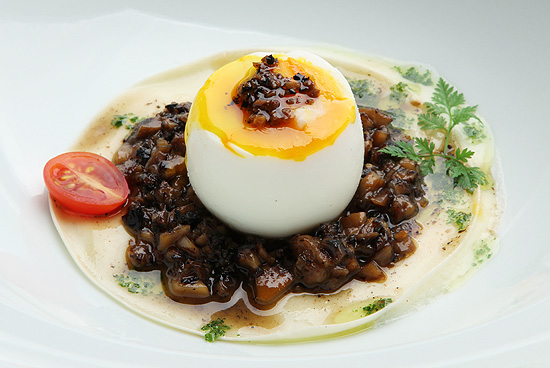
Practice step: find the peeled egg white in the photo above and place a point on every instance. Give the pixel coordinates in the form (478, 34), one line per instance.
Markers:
(271, 196)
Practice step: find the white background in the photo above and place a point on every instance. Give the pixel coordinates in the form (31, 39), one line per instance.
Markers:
(61, 61)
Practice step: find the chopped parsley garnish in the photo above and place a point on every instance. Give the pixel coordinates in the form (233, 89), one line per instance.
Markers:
(400, 119)
(133, 284)
(215, 329)
(361, 87)
(460, 219)
(126, 120)
(444, 113)
(398, 92)
(414, 75)
(482, 253)
(376, 306)
(474, 130)
(364, 90)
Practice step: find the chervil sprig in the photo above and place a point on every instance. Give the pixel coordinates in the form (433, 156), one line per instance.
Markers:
(446, 111)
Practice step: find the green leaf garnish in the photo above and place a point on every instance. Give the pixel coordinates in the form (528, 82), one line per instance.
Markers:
(364, 90)
(376, 306)
(126, 120)
(482, 252)
(460, 219)
(414, 75)
(402, 149)
(398, 92)
(134, 285)
(432, 122)
(361, 87)
(215, 329)
(444, 113)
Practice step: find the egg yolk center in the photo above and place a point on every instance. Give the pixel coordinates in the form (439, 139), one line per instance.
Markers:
(291, 111)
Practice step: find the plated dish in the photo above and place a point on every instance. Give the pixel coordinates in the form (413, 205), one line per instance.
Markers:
(290, 254)
(493, 319)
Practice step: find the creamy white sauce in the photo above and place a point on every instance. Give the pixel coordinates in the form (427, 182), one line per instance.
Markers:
(444, 258)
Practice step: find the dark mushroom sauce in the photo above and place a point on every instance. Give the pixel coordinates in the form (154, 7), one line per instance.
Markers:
(268, 98)
(203, 260)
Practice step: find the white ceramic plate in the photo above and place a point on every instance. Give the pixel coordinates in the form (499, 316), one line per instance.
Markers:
(61, 63)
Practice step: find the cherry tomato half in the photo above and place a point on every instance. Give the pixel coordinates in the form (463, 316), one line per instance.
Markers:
(85, 183)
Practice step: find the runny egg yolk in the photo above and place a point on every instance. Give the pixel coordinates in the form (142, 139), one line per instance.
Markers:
(315, 126)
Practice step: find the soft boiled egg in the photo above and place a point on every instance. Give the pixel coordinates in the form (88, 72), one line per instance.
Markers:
(275, 180)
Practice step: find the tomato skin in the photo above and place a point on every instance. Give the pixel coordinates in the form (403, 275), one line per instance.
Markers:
(85, 183)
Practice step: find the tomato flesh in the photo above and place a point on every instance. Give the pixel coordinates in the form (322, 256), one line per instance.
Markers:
(85, 183)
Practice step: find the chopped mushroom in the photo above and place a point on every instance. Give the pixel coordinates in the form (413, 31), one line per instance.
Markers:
(202, 260)
(271, 283)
